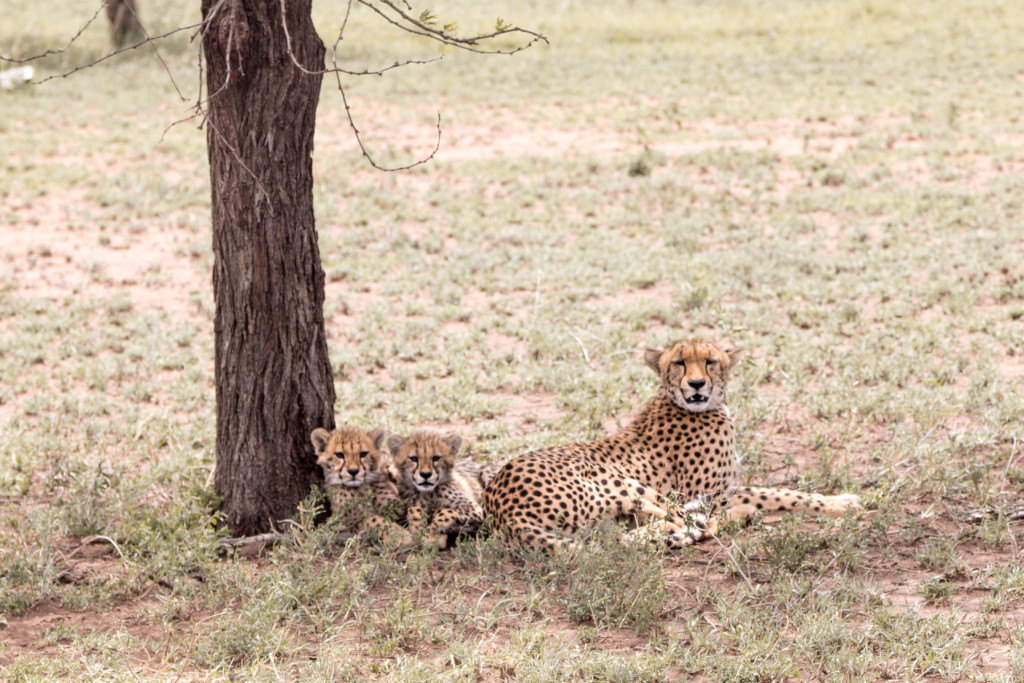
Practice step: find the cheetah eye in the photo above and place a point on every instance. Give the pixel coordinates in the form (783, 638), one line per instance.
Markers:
(363, 454)
(680, 362)
(711, 361)
(436, 457)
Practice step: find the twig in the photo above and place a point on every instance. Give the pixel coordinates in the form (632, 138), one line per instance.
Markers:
(1013, 515)
(362, 148)
(98, 539)
(1013, 454)
(150, 40)
(468, 44)
(337, 69)
(341, 33)
(273, 538)
(101, 59)
(61, 50)
(420, 29)
(586, 356)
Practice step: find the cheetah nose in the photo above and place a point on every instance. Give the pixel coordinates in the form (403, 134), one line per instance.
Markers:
(696, 383)
(353, 471)
(424, 475)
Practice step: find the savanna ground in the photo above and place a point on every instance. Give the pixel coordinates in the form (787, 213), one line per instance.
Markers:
(834, 186)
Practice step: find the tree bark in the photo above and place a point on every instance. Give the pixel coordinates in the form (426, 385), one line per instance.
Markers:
(273, 375)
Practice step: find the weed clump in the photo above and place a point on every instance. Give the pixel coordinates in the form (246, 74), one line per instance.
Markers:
(789, 547)
(612, 581)
(639, 168)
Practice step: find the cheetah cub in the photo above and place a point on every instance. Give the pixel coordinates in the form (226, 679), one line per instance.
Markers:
(443, 495)
(362, 495)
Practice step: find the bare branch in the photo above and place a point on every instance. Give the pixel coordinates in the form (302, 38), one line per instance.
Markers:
(411, 25)
(152, 42)
(1014, 514)
(180, 121)
(470, 44)
(423, 30)
(441, 36)
(252, 544)
(341, 33)
(344, 98)
(55, 52)
(362, 148)
(105, 57)
(336, 69)
(148, 40)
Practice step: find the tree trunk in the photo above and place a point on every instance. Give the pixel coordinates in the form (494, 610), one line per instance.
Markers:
(273, 376)
(124, 22)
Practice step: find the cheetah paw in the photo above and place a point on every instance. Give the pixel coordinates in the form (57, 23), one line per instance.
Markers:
(702, 532)
(678, 539)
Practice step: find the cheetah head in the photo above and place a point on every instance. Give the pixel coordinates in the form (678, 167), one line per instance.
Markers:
(348, 456)
(424, 459)
(693, 372)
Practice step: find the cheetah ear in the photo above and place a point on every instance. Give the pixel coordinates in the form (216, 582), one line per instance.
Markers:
(319, 437)
(455, 442)
(395, 442)
(377, 437)
(651, 357)
(734, 355)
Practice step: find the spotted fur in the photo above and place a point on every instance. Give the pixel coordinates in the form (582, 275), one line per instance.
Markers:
(682, 442)
(443, 494)
(363, 497)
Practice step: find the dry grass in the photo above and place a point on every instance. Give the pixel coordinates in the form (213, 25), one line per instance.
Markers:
(835, 186)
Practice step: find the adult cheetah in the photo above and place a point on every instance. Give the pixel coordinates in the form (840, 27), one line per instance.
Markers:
(681, 442)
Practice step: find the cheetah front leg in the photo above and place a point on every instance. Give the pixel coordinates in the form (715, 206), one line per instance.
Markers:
(646, 505)
(532, 535)
(388, 532)
(418, 520)
(742, 503)
(433, 525)
(446, 521)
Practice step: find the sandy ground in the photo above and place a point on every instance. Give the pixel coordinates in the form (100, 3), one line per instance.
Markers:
(49, 252)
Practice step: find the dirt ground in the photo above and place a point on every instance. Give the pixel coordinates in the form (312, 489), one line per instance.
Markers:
(53, 251)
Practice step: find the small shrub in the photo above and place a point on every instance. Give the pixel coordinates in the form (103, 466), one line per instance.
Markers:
(613, 582)
(936, 590)
(788, 547)
(941, 555)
